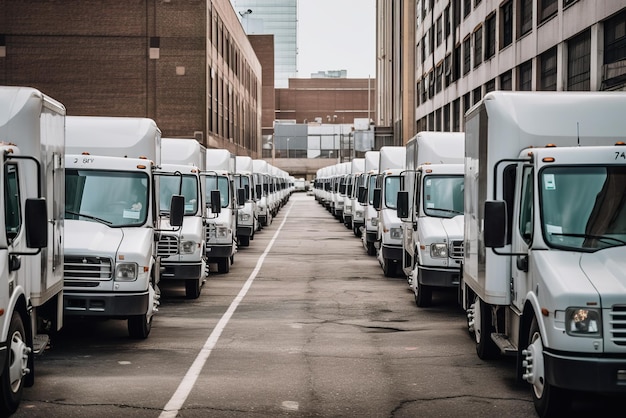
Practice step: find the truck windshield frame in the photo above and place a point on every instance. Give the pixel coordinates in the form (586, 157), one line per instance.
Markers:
(443, 195)
(221, 183)
(392, 187)
(114, 198)
(583, 207)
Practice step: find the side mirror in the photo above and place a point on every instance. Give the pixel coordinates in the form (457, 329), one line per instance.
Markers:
(241, 197)
(36, 223)
(403, 205)
(349, 193)
(342, 189)
(259, 190)
(246, 189)
(494, 232)
(177, 210)
(362, 195)
(216, 201)
(377, 199)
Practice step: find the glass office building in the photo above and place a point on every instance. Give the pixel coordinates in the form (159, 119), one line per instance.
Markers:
(279, 18)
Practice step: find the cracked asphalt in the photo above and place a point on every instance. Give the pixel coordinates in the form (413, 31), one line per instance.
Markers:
(319, 333)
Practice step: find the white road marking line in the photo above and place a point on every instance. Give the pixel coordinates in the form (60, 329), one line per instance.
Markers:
(186, 385)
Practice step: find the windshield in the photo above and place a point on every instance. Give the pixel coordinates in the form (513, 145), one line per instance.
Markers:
(392, 187)
(218, 183)
(443, 196)
(169, 185)
(112, 198)
(370, 189)
(583, 208)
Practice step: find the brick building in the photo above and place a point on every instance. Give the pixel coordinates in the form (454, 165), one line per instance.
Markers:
(140, 58)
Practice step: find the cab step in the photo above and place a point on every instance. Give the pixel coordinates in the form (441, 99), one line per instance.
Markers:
(40, 342)
(504, 344)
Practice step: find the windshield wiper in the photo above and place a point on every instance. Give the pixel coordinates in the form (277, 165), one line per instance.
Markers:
(598, 237)
(95, 218)
(446, 210)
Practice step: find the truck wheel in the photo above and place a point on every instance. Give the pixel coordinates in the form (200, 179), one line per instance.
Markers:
(139, 326)
(389, 268)
(485, 347)
(357, 231)
(244, 241)
(223, 265)
(192, 288)
(15, 367)
(548, 400)
(423, 295)
(371, 250)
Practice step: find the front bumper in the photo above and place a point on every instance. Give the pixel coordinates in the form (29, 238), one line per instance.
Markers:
(392, 252)
(180, 271)
(111, 305)
(439, 277)
(589, 374)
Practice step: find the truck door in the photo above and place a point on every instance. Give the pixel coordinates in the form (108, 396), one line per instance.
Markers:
(522, 236)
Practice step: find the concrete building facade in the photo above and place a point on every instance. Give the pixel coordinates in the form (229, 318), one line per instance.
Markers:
(187, 65)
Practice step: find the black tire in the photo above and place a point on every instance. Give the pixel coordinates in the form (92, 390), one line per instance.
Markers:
(485, 347)
(371, 250)
(244, 241)
(223, 265)
(12, 380)
(356, 231)
(192, 288)
(139, 326)
(423, 295)
(549, 400)
(389, 268)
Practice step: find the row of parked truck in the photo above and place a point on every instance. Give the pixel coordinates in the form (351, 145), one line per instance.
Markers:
(99, 210)
(524, 214)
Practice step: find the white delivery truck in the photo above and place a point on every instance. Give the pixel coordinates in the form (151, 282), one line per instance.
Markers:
(183, 250)
(111, 220)
(369, 233)
(358, 220)
(544, 270)
(262, 182)
(389, 237)
(221, 232)
(431, 209)
(32, 140)
(247, 222)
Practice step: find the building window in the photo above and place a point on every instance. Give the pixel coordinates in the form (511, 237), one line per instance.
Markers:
(418, 92)
(439, 78)
(446, 118)
(568, 2)
(456, 14)
(478, 47)
(447, 70)
(424, 91)
(439, 29)
(490, 85)
(456, 63)
(506, 24)
(477, 94)
(431, 121)
(579, 62)
(467, 102)
(547, 76)
(467, 56)
(615, 39)
(525, 78)
(467, 7)
(446, 21)
(525, 16)
(490, 36)
(431, 39)
(547, 9)
(438, 120)
(506, 81)
(456, 115)
(431, 83)
(424, 51)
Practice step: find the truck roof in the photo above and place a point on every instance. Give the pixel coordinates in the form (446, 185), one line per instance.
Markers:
(113, 136)
(391, 157)
(244, 164)
(435, 148)
(220, 159)
(185, 151)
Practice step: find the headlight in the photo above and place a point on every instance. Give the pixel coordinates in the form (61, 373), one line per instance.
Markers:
(374, 221)
(244, 217)
(339, 204)
(126, 272)
(358, 213)
(583, 322)
(439, 250)
(395, 233)
(221, 232)
(187, 247)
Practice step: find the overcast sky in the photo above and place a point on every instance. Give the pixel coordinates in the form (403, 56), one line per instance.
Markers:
(337, 35)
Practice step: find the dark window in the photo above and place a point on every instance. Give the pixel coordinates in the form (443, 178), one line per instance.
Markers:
(525, 76)
(431, 39)
(418, 92)
(490, 85)
(525, 16)
(547, 8)
(467, 56)
(615, 39)
(579, 62)
(477, 94)
(446, 21)
(456, 63)
(506, 81)
(439, 78)
(547, 77)
(568, 2)
(431, 84)
(439, 29)
(438, 119)
(431, 121)
(506, 24)
(467, 102)
(446, 118)
(456, 115)
(447, 70)
(424, 90)
(478, 47)
(490, 36)
(467, 7)
(456, 16)
(424, 51)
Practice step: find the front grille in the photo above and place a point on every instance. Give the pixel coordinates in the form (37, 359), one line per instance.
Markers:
(618, 325)
(93, 268)
(210, 232)
(456, 249)
(167, 246)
